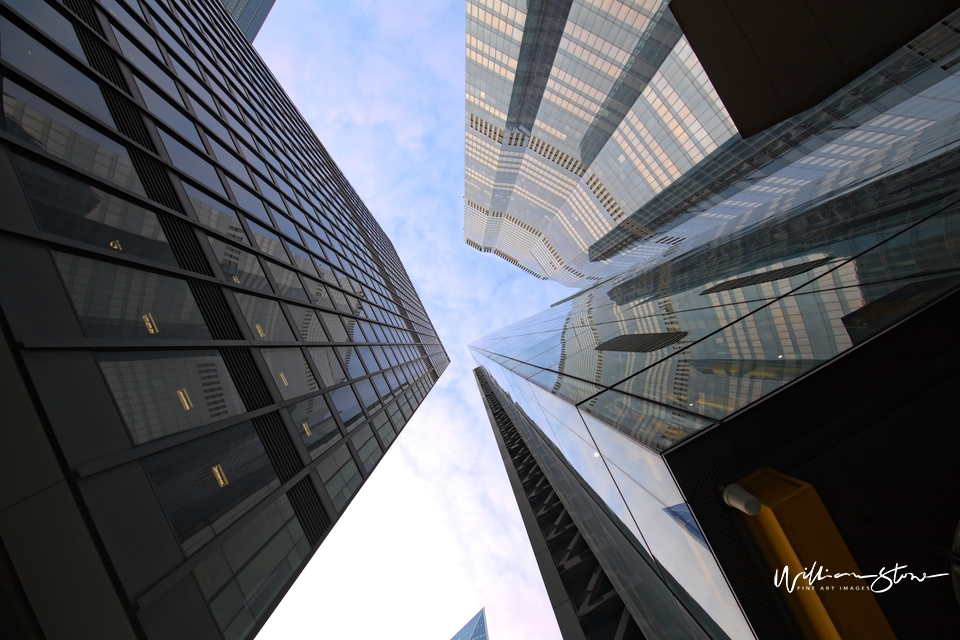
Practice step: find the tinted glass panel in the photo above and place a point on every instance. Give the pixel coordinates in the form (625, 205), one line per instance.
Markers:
(163, 109)
(36, 61)
(244, 577)
(345, 402)
(268, 242)
(216, 215)
(72, 209)
(367, 448)
(265, 318)
(367, 395)
(302, 259)
(340, 476)
(142, 61)
(119, 302)
(191, 163)
(165, 392)
(325, 359)
(290, 372)
(206, 484)
(384, 429)
(230, 161)
(249, 202)
(51, 22)
(45, 127)
(128, 21)
(316, 425)
(307, 323)
(288, 283)
(239, 266)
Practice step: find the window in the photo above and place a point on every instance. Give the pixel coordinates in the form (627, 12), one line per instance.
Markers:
(265, 318)
(165, 392)
(70, 208)
(164, 110)
(290, 372)
(51, 22)
(367, 395)
(315, 423)
(367, 448)
(249, 201)
(215, 215)
(288, 282)
(340, 476)
(346, 405)
(268, 242)
(42, 125)
(206, 484)
(243, 578)
(384, 429)
(36, 61)
(239, 266)
(307, 323)
(328, 365)
(230, 161)
(191, 163)
(114, 301)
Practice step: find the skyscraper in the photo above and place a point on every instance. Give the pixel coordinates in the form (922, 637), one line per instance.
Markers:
(771, 395)
(208, 341)
(476, 629)
(595, 138)
(250, 16)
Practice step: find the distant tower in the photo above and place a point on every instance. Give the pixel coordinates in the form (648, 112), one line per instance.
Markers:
(476, 629)
(249, 14)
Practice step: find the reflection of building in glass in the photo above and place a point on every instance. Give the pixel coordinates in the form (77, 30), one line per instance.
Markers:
(249, 14)
(209, 342)
(790, 351)
(476, 629)
(604, 142)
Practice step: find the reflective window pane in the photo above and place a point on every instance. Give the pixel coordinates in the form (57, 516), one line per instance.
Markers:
(36, 61)
(269, 242)
(151, 69)
(288, 282)
(367, 448)
(72, 209)
(216, 215)
(315, 423)
(164, 110)
(165, 392)
(325, 359)
(384, 429)
(307, 323)
(206, 484)
(46, 127)
(265, 318)
(248, 201)
(367, 395)
(51, 22)
(239, 266)
(114, 301)
(290, 372)
(340, 476)
(241, 579)
(191, 163)
(346, 405)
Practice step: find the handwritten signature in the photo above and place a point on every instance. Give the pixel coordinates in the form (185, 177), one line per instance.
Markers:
(882, 581)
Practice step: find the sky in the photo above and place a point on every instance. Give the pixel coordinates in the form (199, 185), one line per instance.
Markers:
(435, 533)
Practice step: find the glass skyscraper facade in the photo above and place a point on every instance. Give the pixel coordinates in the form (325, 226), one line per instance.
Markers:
(639, 392)
(595, 140)
(209, 341)
(476, 629)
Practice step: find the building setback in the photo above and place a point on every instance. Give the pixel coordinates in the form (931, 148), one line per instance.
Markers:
(775, 394)
(208, 341)
(595, 138)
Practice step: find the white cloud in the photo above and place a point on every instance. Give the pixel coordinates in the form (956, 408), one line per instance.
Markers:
(435, 533)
